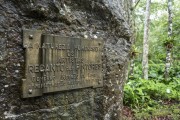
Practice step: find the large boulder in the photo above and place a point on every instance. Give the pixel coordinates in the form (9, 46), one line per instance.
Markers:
(108, 20)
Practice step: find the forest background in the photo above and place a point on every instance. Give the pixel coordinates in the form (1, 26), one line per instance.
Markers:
(156, 98)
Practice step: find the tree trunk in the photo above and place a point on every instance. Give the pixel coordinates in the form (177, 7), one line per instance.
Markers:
(169, 46)
(145, 41)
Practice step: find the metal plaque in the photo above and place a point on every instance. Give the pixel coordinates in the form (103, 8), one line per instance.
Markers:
(58, 63)
(31, 42)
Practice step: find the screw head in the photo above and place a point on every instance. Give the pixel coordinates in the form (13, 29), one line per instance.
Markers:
(31, 37)
(30, 91)
(99, 82)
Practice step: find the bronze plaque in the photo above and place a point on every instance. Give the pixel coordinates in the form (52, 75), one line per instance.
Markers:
(31, 43)
(63, 63)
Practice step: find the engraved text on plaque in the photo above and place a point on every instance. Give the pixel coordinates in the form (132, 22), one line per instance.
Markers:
(62, 63)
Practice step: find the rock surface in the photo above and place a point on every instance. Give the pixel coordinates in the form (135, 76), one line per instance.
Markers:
(103, 19)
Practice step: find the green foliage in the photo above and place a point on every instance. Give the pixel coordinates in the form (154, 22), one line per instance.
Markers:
(145, 93)
(158, 34)
(134, 51)
(159, 111)
(169, 42)
(147, 97)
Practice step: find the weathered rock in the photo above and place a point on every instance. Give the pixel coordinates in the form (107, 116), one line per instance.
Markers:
(104, 19)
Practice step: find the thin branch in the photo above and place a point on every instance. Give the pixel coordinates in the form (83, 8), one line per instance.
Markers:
(135, 5)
